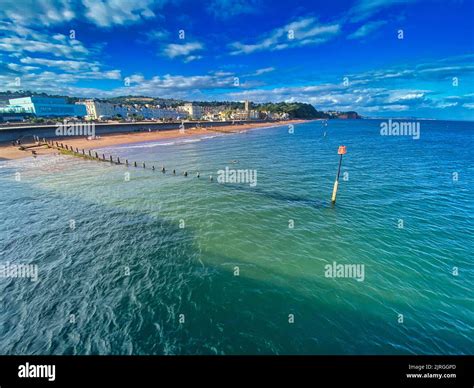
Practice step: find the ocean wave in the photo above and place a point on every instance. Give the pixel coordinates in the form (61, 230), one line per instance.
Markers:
(161, 143)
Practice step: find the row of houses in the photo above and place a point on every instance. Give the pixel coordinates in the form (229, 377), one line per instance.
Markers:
(240, 114)
(97, 110)
(222, 112)
(20, 108)
(89, 109)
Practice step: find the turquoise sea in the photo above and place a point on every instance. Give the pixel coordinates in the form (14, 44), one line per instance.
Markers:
(152, 263)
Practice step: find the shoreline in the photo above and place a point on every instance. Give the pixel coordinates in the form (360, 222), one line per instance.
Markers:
(10, 152)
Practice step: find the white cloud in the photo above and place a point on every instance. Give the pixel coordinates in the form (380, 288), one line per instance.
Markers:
(156, 35)
(365, 100)
(186, 50)
(21, 68)
(427, 71)
(103, 13)
(371, 100)
(106, 13)
(177, 86)
(305, 31)
(396, 96)
(444, 105)
(264, 70)
(65, 65)
(367, 29)
(191, 58)
(22, 39)
(37, 12)
(386, 108)
(37, 56)
(364, 9)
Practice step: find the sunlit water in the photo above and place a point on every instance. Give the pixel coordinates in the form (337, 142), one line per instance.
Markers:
(148, 265)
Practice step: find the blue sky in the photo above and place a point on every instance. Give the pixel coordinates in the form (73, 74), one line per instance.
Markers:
(342, 56)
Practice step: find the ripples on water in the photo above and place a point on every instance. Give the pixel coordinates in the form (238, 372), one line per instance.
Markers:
(118, 282)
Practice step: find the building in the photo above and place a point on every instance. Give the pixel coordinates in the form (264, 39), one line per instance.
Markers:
(240, 114)
(275, 115)
(46, 107)
(99, 110)
(169, 114)
(253, 115)
(15, 113)
(153, 112)
(106, 110)
(210, 116)
(193, 111)
(121, 111)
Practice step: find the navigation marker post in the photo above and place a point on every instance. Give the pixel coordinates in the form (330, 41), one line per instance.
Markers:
(341, 151)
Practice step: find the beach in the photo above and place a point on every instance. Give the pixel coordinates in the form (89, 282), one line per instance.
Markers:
(8, 151)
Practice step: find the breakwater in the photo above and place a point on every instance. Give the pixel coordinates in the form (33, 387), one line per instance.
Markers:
(108, 158)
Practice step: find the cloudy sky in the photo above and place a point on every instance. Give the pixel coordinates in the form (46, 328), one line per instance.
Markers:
(378, 57)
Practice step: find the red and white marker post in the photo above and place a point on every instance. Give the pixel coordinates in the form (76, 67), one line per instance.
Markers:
(341, 151)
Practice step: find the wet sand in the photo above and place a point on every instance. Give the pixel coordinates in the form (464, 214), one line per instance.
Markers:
(8, 151)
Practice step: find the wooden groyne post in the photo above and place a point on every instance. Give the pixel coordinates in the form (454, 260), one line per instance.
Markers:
(102, 158)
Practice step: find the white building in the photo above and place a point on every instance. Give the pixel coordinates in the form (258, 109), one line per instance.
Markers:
(98, 110)
(155, 113)
(105, 110)
(193, 111)
(170, 114)
(158, 113)
(121, 111)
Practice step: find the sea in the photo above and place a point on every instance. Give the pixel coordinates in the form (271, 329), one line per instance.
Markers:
(131, 260)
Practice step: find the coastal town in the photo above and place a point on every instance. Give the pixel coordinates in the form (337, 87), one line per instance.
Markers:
(19, 109)
(89, 123)
(39, 109)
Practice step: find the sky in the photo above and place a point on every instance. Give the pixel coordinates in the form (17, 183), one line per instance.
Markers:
(381, 58)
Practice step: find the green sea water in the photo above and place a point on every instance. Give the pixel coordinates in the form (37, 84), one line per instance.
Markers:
(134, 261)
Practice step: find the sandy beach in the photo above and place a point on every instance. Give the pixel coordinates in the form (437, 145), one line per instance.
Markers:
(8, 151)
